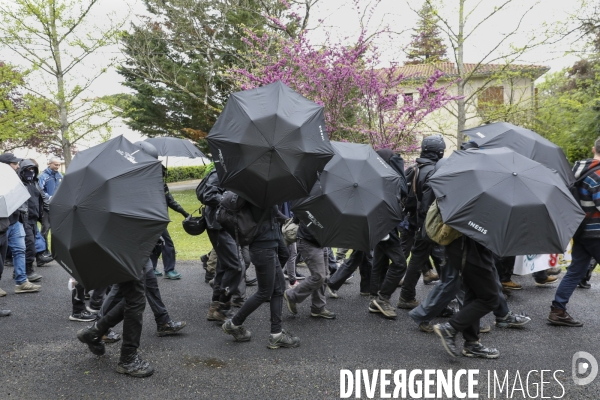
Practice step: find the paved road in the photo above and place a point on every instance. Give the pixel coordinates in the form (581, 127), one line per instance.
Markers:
(184, 185)
(40, 357)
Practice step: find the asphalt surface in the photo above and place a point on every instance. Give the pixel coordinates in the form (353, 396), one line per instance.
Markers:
(184, 185)
(40, 357)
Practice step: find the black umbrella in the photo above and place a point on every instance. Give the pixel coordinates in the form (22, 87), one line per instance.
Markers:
(510, 204)
(524, 142)
(108, 213)
(175, 147)
(269, 143)
(356, 202)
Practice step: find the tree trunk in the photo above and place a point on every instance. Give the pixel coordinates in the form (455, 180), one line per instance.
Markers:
(461, 106)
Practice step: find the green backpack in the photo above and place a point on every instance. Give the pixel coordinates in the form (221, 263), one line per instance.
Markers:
(436, 229)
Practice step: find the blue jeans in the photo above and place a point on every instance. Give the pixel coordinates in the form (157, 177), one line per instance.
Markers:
(16, 244)
(583, 251)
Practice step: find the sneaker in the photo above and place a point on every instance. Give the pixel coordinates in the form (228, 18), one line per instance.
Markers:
(135, 366)
(426, 327)
(237, 303)
(430, 276)
(554, 271)
(174, 275)
(581, 285)
(170, 328)
(94, 309)
(512, 320)
(43, 259)
(157, 273)
(385, 308)
(284, 339)
(91, 337)
(561, 317)
(373, 307)
(476, 349)
(484, 328)
(239, 333)
(27, 287)
(4, 313)
(299, 276)
(33, 277)
(447, 334)
(548, 281)
(510, 285)
(330, 292)
(290, 305)
(83, 316)
(2, 293)
(407, 304)
(324, 313)
(111, 337)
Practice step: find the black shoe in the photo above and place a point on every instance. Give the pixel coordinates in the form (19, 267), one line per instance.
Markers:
(93, 308)
(111, 337)
(447, 334)
(84, 316)
(251, 281)
(135, 366)
(91, 337)
(584, 285)
(476, 349)
(170, 328)
(43, 259)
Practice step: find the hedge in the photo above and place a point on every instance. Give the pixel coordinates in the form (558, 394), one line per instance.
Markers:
(177, 174)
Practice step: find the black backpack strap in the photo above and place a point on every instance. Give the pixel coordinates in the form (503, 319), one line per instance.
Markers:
(588, 173)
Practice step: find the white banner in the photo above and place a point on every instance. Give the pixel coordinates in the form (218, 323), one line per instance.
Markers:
(537, 262)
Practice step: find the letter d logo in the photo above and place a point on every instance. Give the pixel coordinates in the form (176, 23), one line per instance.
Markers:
(580, 367)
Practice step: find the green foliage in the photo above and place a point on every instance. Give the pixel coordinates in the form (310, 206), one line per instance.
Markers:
(427, 46)
(177, 174)
(188, 247)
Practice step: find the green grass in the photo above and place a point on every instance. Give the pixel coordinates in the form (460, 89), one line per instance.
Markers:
(188, 247)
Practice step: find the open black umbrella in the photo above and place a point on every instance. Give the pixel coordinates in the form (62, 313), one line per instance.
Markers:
(108, 213)
(269, 143)
(175, 147)
(510, 204)
(524, 142)
(355, 204)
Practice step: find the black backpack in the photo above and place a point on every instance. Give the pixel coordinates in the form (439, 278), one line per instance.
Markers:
(409, 202)
(234, 215)
(575, 193)
(201, 188)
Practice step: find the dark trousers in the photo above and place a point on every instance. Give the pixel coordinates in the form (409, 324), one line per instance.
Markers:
(390, 273)
(407, 240)
(152, 293)
(419, 261)
(168, 253)
(229, 266)
(481, 296)
(130, 310)
(271, 285)
(332, 264)
(584, 249)
(45, 227)
(505, 267)
(29, 246)
(358, 259)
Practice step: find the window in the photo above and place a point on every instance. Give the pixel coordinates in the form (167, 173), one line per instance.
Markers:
(490, 97)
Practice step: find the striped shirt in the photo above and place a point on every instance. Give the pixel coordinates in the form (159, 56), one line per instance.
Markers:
(589, 196)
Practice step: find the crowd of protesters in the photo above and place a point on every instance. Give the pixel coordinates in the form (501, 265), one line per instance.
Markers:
(468, 275)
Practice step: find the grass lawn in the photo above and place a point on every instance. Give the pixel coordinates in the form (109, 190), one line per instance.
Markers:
(188, 247)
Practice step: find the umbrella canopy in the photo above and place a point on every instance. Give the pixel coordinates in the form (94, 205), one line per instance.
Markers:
(175, 147)
(108, 213)
(510, 204)
(12, 191)
(355, 204)
(524, 142)
(269, 143)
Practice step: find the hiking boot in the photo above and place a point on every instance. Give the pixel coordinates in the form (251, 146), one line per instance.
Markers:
(27, 287)
(407, 304)
(476, 349)
(430, 276)
(239, 333)
(484, 328)
(157, 273)
(548, 281)
(174, 275)
(330, 292)
(561, 317)
(372, 306)
(133, 365)
(33, 277)
(237, 303)
(111, 337)
(91, 337)
(447, 312)
(2, 293)
(208, 276)
(385, 308)
(84, 316)
(170, 328)
(324, 313)
(512, 320)
(204, 261)
(426, 327)
(211, 309)
(284, 339)
(510, 285)
(554, 271)
(291, 306)
(222, 312)
(581, 285)
(447, 334)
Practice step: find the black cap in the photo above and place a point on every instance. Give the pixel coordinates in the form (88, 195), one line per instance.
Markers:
(9, 158)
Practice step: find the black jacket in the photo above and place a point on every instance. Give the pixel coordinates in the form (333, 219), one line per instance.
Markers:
(211, 198)
(268, 231)
(35, 203)
(304, 233)
(423, 191)
(172, 203)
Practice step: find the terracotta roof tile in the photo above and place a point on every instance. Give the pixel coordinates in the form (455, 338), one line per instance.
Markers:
(423, 71)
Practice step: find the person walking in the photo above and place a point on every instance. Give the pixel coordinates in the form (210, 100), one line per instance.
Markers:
(49, 181)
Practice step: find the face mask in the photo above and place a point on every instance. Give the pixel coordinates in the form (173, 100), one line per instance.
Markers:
(28, 175)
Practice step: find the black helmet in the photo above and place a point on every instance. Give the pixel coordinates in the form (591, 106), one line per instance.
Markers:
(433, 144)
(194, 225)
(148, 148)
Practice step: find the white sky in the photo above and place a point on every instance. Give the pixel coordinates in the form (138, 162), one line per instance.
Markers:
(341, 20)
